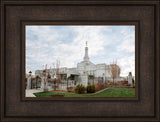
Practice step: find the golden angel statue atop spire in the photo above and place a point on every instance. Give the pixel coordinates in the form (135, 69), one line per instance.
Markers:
(86, 43)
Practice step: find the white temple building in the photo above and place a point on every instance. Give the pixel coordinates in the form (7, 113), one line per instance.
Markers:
(84, 70)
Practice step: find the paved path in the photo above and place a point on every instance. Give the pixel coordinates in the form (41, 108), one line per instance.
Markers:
(29, 92)
(100, 91)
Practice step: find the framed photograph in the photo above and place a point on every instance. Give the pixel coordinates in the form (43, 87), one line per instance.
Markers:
(65, 68)
(80, 60)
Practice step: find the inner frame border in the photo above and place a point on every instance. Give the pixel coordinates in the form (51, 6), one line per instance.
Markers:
(82, 22)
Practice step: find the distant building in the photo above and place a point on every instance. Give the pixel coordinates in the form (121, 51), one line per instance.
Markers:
(82, 73)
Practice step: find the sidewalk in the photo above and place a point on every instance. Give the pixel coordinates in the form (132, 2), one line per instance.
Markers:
(29, 92)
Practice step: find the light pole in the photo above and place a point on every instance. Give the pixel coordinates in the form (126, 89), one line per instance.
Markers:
(30, 75)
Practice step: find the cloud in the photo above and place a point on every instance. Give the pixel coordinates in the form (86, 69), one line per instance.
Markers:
(128, 41)
(46, 44)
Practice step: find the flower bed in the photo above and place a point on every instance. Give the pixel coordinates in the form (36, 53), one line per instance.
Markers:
(70, 88)
(100, 86)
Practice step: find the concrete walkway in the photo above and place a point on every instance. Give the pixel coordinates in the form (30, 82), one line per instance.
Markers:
(29, 92)
(100, 91)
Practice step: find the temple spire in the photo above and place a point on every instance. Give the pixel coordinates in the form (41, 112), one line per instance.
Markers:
(86, 58)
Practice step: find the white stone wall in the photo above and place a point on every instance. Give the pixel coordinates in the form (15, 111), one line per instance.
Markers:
(84, 79)
(130, 78)
(29, 82)
(99, 70)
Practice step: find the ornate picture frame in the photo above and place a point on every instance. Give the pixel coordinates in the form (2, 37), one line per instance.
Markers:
(16, 14)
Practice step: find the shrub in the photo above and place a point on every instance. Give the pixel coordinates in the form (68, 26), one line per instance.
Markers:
(70, 88)
(132, 81)
(37, 77)
(128, 84)
(111, 82)
(124, 82)
(91, 88)
(80, 89)
(100, 86)
(134, 85)
(115, 83)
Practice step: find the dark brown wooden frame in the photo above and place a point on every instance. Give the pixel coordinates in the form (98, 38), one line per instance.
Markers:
(14, 107)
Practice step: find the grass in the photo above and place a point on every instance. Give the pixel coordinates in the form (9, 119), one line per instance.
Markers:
(110, 92)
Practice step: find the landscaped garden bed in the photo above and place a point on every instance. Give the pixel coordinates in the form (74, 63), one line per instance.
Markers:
(110, 92)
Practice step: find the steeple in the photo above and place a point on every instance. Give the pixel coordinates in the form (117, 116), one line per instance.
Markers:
(86, 43)
(86, 58)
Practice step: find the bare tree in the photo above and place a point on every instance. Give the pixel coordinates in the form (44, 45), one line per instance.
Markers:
(58, 80)
(54, 71)
(114, 70)
(46, 77)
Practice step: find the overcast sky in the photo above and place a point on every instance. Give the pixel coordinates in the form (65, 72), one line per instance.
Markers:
(46, 44)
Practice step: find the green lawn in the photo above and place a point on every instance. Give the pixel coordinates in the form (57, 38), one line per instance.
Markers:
(110, 92)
